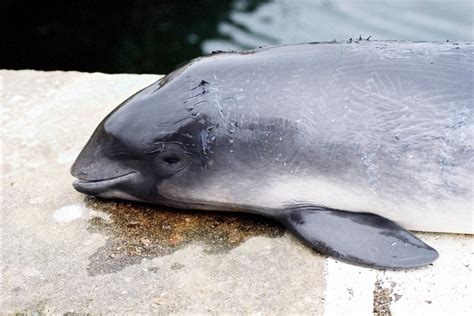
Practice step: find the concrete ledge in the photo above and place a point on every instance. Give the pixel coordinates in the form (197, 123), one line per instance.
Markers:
(61, 252)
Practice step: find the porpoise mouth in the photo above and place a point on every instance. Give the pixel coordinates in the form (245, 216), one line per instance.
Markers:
(94, 187)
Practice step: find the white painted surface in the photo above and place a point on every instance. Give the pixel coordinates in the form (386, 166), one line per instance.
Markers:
(446, 288)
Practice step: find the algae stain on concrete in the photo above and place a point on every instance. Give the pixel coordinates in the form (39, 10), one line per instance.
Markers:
(138, 231)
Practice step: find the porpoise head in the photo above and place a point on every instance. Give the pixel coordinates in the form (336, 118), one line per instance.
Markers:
(189, 141)
(159, 146)
(147, 139)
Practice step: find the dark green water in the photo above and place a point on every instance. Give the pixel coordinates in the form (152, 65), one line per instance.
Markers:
(145, 36)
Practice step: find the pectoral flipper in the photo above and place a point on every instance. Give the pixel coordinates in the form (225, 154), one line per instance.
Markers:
(358, 238)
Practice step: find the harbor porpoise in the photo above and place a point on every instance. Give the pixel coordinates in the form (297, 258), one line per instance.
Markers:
(349, 145)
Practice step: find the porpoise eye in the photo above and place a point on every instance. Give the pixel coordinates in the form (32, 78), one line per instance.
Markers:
(171, 159)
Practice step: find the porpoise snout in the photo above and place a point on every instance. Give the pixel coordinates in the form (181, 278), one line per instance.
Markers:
(97, 174)
(99, 187)
(93, 170)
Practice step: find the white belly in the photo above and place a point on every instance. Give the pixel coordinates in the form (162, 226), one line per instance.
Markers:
(421, 213)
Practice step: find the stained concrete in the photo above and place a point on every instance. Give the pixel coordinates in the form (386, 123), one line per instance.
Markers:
(64, 252)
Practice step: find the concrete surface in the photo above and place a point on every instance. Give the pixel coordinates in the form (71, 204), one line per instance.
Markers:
(62, 252)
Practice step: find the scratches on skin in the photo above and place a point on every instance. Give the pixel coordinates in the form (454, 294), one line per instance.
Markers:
(173, 123)
(201, 84)
(377, 94)
(210, 94)
(397, 98)
(192, 103)
(192, 107)
(390, 82)
(196, 95)
(208, 138)
(374, 111)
